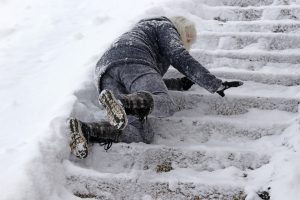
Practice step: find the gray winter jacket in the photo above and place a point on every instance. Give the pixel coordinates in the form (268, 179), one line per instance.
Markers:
(155, 43)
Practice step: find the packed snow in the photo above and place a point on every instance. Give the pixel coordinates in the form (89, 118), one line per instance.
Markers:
(48, 51)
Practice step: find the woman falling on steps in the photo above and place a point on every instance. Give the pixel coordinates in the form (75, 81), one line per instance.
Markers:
(130, 84)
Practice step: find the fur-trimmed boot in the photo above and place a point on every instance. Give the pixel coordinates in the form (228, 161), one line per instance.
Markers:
(139, 104)
(83, 133)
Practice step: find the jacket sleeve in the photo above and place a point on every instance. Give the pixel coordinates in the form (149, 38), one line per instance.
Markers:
(172, 48)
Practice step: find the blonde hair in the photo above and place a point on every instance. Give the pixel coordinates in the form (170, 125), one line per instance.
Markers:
(184, 27)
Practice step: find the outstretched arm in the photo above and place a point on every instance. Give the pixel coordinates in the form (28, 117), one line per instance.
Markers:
(172, 48)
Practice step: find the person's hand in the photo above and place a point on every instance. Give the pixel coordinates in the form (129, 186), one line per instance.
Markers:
(186, 83)
(226, 85)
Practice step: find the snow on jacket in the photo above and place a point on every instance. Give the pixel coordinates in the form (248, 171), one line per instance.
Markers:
(155, 43)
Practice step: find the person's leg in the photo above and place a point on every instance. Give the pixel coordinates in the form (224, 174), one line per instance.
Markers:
(164, 105)
(137, 83)
(110, 93)
(83, 133)
(140, 78)
(140, 89)
(136, 130)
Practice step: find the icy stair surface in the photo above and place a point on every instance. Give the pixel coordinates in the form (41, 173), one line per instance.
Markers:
(212, 147)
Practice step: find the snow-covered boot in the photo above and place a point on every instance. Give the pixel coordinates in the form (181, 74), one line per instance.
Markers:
(83, 133)
(103, 133)
(139, 104)
(78, 143)
(115, 111)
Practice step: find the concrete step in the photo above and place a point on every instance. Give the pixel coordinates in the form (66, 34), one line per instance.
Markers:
(233, 41)
(225, 13)
(287, 80)
(125, 158)
(93, 188)
(207, 56)
(206, 160)
(286, 2)
(260, 77)
(191, 127)
(233, 105)
(281, 13)
(240, 3)
(261, 66)
(178, 184)
(271, 26)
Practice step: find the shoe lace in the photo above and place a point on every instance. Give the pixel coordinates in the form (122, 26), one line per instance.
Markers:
(107, 144)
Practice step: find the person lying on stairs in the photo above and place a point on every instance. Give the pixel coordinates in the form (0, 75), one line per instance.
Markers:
(129, 78)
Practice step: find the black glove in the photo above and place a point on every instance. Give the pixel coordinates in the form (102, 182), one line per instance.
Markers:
(186, 83)
(227, 85)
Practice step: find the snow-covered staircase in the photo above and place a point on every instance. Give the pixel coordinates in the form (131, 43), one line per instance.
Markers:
(212, 148)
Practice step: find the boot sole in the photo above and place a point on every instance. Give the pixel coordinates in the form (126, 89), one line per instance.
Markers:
(116, 114)
(78, 143)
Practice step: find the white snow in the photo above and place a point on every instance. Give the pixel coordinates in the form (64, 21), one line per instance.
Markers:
(48, 50)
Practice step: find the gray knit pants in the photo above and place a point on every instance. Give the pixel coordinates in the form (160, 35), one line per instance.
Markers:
(134, 78)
